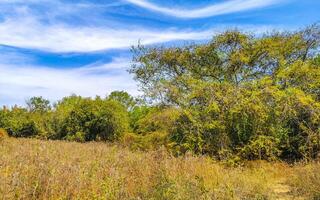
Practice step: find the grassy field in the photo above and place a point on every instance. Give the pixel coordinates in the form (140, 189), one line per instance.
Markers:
(33, 169)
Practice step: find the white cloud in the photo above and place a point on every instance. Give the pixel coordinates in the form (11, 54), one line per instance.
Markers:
(20, 82)
(29, 33)
(225, 7)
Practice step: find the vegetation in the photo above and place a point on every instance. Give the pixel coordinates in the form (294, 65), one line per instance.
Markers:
(237, 97)
(38, 169)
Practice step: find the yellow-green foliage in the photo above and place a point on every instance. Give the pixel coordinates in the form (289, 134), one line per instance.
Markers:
(158, 120)
(252, 97)
(3, 133)
(151, 141)
(34, 169)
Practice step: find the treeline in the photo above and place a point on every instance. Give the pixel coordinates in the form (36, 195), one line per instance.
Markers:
(236, 97)
(73, 118)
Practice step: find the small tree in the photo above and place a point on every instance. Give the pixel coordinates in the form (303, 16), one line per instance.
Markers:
(38, 104)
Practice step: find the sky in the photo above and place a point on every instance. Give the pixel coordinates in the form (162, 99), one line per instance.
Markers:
(55, 48)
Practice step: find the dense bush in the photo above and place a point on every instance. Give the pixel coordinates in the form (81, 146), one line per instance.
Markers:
(157, 119)
(90, 119)
(151, 141)
(18, 122)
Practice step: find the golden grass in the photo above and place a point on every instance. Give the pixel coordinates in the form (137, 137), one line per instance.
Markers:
(305, 181)
(33, 169)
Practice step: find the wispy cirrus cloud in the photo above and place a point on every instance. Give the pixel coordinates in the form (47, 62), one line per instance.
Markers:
(29, 33)
(62, 38)
(226, 7)
(26, 28)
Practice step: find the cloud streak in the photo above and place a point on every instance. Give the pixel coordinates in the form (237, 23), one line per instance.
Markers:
(61, 38)
(226, 7)
(29, 33)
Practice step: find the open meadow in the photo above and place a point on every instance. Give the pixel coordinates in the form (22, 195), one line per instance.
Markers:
(35, 169)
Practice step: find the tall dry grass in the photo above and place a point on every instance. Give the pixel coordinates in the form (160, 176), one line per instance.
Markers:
(33, 169)
(305, 181)
(3, 134)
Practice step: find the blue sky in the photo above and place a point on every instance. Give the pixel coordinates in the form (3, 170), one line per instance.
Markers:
(53, 48)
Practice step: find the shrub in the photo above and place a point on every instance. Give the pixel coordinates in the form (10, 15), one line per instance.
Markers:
(19, 123)
(158, 120)
(104, 120)
(113, 121)
(261, 148)
(150, 141)
(78, 137)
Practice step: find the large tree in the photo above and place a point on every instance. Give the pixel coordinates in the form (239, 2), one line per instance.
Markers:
(239, 91)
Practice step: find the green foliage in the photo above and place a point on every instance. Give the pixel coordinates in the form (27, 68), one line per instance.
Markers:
(151, 141)
(124, 98)
(152, 128)
(261, 148)
(316, 61)
(137, 114)
(77, 137)
(73, 118)
(95, 119)
(18, 123)
(186, 135)
(157, 119)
